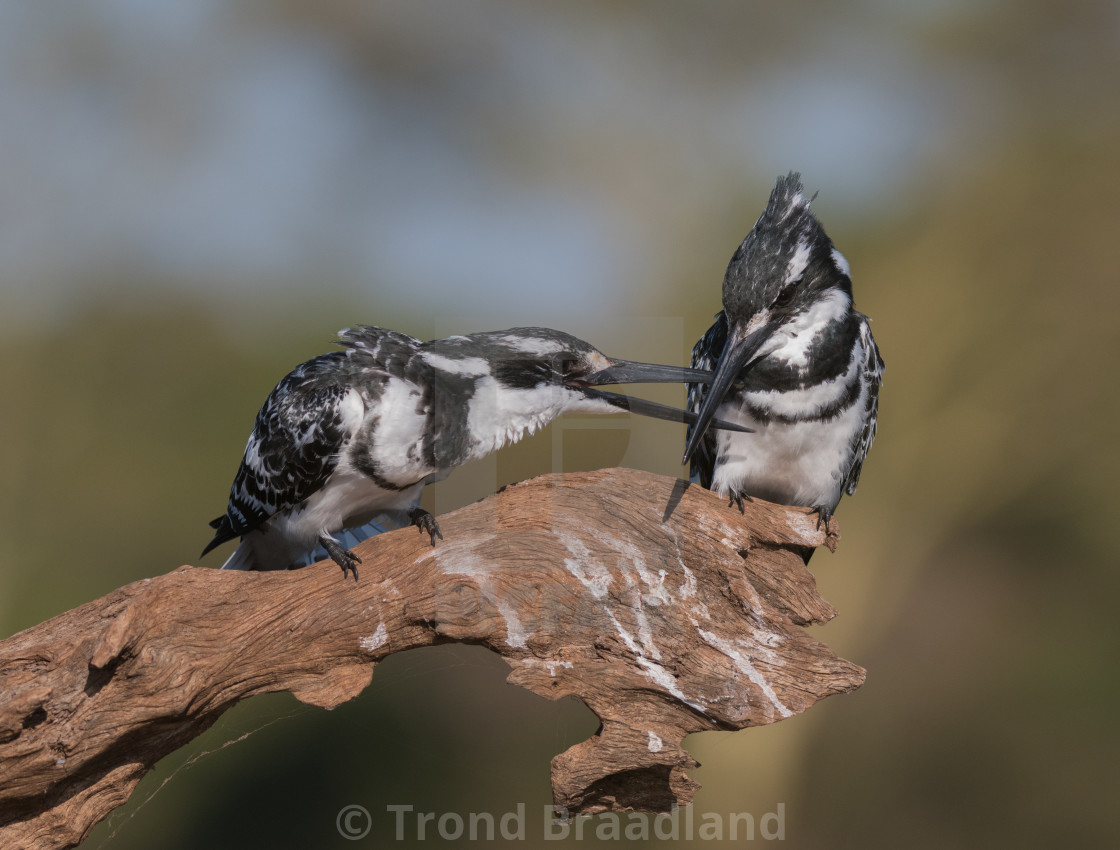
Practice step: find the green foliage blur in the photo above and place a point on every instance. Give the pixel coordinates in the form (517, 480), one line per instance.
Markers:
(976, 580)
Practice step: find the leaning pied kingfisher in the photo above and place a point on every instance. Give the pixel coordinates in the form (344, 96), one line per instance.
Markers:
(357, 433)
(793, 361)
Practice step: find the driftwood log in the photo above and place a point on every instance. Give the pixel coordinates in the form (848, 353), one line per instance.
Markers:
(663, 609)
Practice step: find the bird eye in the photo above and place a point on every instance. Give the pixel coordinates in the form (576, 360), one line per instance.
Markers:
(562, 365)
(785, 296)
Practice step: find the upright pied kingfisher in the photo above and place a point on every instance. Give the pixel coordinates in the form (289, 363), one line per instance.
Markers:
(357, 433)
(793, 361)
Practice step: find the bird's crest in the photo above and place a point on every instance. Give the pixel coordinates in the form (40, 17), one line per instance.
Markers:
(787, 200)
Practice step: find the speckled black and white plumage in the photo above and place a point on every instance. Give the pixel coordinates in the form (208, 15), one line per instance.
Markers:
(355, 435)
(809, 384)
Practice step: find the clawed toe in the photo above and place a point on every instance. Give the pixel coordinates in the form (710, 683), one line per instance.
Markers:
(824, 514)
(425, 522)
(738, 499)
(343, 557)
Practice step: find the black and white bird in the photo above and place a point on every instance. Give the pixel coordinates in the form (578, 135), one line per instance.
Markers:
(793, 361)
(356, 434)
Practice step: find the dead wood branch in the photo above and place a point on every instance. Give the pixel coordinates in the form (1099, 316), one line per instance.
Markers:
(655, 603)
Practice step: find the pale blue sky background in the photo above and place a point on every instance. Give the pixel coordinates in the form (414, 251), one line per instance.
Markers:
(491, 148)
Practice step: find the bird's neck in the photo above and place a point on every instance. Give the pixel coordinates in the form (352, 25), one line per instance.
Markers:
(499, 414)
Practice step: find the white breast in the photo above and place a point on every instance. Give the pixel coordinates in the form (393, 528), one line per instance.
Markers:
(792, 463)
(800, 463)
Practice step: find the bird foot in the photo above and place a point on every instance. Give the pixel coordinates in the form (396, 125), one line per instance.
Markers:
(738, 498)
(426, 523)
(343, 557)
(824, 514)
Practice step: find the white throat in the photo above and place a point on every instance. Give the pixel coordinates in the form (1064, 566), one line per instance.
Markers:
(500, 414)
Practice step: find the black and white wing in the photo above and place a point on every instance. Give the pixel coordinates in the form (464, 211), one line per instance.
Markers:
(302, 428)
(296, 441)
(872, 377)
(705, 355)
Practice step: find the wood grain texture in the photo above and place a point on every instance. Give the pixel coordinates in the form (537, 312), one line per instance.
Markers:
(663, 609)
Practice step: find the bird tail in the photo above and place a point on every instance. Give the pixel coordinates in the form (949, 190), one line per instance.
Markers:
(244, 557)
(223, 531)
(260, 551)
(255, 553)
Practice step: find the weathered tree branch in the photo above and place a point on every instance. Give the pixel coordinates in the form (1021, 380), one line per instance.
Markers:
(661, 608)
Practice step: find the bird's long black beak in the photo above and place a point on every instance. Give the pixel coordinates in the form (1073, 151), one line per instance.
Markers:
(739, 354)
(644, 407)
(632, 372)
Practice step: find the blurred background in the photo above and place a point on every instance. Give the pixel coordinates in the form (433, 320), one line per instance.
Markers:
(195, 196)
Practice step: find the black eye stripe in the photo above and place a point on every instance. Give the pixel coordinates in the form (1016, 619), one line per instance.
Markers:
(522, 373)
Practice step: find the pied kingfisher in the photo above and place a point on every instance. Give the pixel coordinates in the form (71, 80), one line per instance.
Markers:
(356, 434)
(793, 361)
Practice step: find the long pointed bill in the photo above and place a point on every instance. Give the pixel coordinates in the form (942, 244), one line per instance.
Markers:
(654, 410)
(738, 355)
(632, 372)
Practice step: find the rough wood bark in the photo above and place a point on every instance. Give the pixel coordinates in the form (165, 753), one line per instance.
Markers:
(663, 609)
